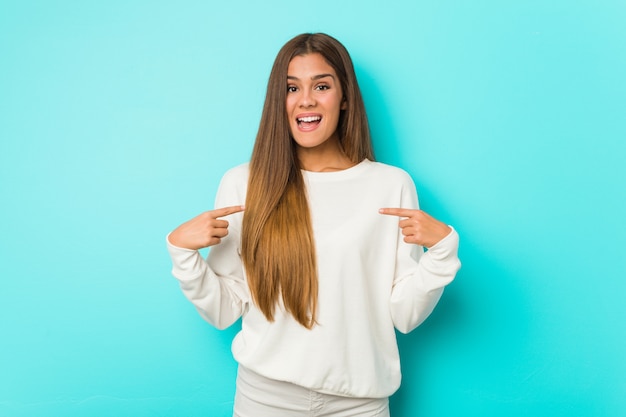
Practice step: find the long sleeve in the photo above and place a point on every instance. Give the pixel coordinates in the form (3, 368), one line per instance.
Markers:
(216, 285)
(421, 276)
(370, 282)
(415, 295)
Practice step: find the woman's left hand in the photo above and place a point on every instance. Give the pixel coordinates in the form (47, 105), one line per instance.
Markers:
(418, 227)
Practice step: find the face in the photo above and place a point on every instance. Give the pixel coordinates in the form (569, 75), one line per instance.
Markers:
(314, 101)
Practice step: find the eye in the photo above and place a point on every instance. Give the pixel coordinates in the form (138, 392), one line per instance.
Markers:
(322, 87)
(292, 88)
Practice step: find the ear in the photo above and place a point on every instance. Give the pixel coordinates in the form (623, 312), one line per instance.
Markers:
(344, 103)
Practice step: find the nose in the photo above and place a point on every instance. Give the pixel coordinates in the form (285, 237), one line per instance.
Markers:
(307, 99)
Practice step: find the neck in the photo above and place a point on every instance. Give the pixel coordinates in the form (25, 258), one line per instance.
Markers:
(326, 158)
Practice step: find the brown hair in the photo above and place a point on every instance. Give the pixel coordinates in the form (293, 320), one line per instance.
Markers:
(278, 248)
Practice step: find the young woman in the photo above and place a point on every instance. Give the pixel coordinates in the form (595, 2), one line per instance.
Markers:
(327, 258)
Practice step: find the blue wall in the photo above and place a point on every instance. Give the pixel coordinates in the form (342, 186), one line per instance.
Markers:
(118, 118)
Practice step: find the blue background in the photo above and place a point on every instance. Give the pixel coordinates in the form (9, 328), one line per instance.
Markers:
(118, 118)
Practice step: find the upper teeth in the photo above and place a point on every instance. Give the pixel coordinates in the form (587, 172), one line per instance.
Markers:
(309, 119)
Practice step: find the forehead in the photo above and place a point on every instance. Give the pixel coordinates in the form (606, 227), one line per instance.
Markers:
(309, 65)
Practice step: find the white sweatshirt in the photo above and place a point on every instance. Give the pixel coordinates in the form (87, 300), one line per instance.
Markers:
(370, 281)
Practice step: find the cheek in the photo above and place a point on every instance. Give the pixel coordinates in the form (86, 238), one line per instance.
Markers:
(338, 102)
(337, 105)
(289, 104)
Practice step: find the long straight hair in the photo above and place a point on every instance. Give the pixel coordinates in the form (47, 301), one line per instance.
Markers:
(278, 249)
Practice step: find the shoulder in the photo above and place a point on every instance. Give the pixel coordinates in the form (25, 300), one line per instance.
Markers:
(390, 173)
(236, 175)
(233, 186)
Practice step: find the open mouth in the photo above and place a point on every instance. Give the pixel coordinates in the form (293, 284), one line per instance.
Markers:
(308, 122)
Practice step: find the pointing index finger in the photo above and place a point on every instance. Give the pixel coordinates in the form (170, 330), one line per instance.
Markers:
(401, 212)
(225, 211)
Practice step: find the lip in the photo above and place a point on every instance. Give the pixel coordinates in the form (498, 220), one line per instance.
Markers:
(301, 115)
(308, 127)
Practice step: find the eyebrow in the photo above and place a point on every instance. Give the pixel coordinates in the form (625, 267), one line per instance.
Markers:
(315, 77)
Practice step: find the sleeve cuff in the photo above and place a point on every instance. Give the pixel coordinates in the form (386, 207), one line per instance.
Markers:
(447, 247)
(171, 247)
(188, 264)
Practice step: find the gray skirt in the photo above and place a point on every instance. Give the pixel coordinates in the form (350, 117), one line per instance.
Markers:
(257, 396)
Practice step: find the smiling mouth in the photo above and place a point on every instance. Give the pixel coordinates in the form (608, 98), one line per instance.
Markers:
(308, 121)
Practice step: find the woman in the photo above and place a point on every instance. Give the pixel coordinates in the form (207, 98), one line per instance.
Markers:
(318, 265)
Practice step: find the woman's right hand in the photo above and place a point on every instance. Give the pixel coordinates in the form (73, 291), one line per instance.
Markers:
(203, 230)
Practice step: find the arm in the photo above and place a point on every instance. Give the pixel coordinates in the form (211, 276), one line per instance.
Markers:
(216, 286)
(423, 276)
(420, 276)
